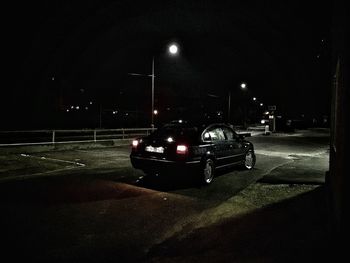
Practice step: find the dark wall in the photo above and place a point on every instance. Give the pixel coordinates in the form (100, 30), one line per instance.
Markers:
(338, 180)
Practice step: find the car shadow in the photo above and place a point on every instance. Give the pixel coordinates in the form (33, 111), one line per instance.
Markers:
(102, 184)
(169, 181)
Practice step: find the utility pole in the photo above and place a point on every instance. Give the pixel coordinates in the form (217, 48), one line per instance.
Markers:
(229, 107)
(152, 112)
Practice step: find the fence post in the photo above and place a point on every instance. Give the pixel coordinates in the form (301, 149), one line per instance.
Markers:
(53, 136)
(95, 135)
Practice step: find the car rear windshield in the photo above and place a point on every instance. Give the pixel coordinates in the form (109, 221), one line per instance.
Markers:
(177, 131)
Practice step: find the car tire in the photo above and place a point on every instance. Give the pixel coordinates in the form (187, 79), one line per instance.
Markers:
(249, 160)
(207, 172)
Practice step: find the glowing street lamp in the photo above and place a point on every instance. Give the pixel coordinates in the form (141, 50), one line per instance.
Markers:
(173, 49)
(243, 86)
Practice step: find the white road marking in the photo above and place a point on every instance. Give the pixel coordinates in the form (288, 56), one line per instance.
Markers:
(120, 156)
(26, 176)
(53, 159)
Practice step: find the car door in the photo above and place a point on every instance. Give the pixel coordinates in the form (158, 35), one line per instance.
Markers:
(235, 145)
(220, 146)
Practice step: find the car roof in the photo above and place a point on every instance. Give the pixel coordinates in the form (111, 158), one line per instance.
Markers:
(199, 125)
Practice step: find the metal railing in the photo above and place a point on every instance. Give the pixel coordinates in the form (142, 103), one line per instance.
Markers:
(37, 137)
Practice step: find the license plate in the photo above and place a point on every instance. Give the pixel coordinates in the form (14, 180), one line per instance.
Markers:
(154, 149)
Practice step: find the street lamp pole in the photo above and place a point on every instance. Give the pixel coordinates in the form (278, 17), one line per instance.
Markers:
(243, 86)
(173, 49)
(229, 106)
(152, 112)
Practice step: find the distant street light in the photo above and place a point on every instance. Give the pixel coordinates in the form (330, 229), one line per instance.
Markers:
(254, 98)
(155, 112)
(261, 104)
(243, 85)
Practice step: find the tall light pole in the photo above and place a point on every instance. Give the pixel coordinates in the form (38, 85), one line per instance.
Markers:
(152, 112)
(229, 106)
(243, 86)
(173, 50)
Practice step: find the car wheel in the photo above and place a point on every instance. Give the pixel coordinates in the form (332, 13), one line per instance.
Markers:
(249, 160)
(208, 171)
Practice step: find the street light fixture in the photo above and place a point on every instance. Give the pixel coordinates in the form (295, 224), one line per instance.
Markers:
(243, 86)
(173, 50)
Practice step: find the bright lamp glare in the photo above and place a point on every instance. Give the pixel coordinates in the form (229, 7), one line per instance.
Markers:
(243, 85)
(173, 49)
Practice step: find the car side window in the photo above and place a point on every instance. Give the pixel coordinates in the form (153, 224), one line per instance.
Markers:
(230, 134)
(221, 134)
(215, 134)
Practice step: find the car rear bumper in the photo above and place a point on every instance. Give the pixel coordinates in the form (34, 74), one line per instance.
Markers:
(161, 165)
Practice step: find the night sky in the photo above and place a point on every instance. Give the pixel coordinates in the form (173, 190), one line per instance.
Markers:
(62, 53)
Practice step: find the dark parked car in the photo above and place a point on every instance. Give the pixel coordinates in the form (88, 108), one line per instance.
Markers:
(179, 146)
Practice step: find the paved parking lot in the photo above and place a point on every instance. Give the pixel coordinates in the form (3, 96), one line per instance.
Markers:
(90, 205)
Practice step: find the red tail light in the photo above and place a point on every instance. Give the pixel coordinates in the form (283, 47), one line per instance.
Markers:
(181, 149)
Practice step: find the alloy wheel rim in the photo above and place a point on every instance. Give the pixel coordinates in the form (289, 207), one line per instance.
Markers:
(208, 172)
(249, 160)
